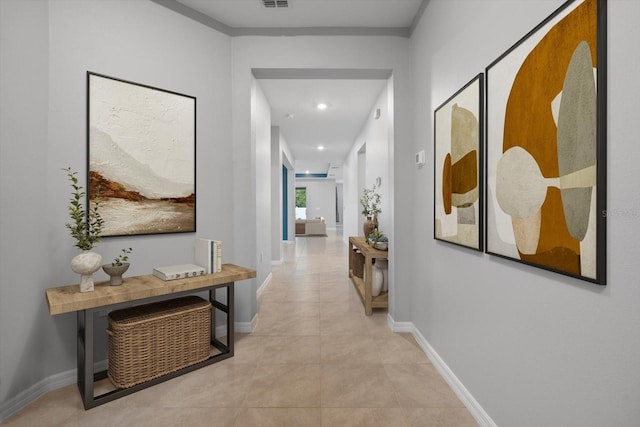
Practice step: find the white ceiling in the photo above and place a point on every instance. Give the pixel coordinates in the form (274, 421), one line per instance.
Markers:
(336, 128)
(350, 100)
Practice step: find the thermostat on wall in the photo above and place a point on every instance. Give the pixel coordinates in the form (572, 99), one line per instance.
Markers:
(420, 160)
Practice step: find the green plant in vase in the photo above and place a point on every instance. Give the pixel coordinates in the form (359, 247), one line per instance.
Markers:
(379, 240)
(370, 202)
(118, 267)
(85, 227)
(122, 258)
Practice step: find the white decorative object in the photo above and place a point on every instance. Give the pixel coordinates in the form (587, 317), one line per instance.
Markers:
(383, 265)
(85, 264)
(377, 280)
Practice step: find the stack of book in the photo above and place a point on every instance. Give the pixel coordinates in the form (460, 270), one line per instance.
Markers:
(173, 272)
(208, 259)
(209, 255)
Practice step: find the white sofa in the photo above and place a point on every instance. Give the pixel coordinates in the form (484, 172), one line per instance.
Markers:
(311, 227)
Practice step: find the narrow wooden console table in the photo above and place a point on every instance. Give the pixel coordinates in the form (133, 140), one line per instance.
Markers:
(363, 284)
(138, 290)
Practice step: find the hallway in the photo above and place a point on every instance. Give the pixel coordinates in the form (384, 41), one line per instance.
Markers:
(314, 359)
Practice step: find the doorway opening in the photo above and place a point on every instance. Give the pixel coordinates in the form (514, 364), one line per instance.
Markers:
(301, 202)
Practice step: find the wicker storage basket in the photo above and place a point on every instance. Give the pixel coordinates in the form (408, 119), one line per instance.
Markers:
(151, 340)
(357, 263)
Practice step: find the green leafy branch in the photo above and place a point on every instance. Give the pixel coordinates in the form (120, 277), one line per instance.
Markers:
(370, 202)
(123, 257)
(85, 226)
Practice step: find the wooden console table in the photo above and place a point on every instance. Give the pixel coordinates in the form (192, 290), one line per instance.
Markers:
(363, 284)
(138, 290)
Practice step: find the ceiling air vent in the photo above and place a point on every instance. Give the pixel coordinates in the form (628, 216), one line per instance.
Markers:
(275, 3)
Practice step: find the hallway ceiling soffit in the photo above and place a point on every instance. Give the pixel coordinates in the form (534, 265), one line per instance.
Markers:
(304, 17)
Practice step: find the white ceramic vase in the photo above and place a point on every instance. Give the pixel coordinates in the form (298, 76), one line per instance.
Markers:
(85, 264)
(377, 280)
(383, 265)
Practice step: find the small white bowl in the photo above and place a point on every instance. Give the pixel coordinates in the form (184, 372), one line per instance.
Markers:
(383, 246)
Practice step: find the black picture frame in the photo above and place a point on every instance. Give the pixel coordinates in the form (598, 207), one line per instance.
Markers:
(141, 157)
(458, 167)
(546, 145)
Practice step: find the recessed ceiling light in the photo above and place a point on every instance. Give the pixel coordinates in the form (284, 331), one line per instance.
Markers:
(307, 172)
(321, 106)
(320, 147)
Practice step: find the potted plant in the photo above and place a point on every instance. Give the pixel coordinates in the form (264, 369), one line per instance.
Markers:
(379, 240)
(85, 227)
(370, 203)
(118, 267)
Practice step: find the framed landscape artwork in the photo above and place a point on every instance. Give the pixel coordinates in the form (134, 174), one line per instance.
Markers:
(458, 130)
(546, 145)
(141, 154)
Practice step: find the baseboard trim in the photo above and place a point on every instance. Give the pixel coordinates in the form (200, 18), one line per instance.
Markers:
(33, 393)
(239, 327)
(264, 285)
(478, 413)
(246, 327)
(254, 323)
(39, 389)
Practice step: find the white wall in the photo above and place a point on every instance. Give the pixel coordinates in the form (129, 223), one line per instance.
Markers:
(287, 159)
(24, 104)
(276, 193)
(46, 49)
(321, 199)
(280, 155)
(533, 348)
(340, 203)
(377, 164)
(261, 141)
(356, 181)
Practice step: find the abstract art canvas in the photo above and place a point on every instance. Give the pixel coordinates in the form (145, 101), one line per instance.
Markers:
(141, 153)
(546, 148)
(458, 130)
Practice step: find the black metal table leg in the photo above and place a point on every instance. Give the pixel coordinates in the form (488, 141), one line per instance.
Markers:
(230, 319)
(86, 356)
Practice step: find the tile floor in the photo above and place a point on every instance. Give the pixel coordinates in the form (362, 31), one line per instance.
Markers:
(314, 359)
